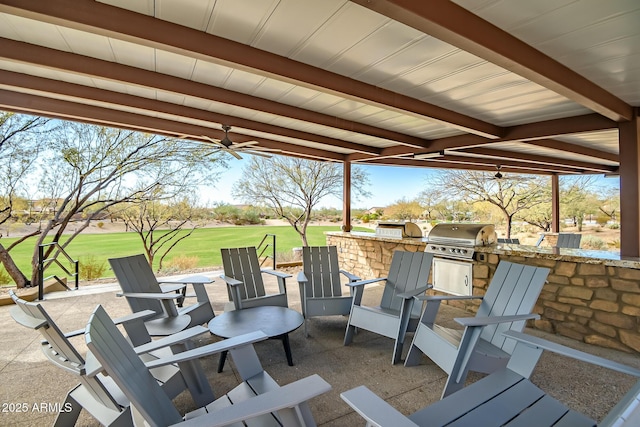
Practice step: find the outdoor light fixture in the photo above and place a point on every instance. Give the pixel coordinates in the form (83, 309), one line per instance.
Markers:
(433, 155)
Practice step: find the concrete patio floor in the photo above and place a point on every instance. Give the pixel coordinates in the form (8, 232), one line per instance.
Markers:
(29, 384)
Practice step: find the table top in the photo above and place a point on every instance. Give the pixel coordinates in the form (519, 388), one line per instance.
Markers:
(272, 320)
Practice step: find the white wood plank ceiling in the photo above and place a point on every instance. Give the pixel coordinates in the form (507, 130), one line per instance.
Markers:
(535, 86)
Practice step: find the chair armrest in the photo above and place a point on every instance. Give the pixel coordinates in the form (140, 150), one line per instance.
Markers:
(276, 273)
(287, 396)
(492, 320)
(416, 292)
(189, 280)
(172, 339)
(231, 281)
(206, 350)
(139, 315)
(149, 295)
(373, 409)
(351, 277)
(570, 352)
(447, 297)
(366, 282)
(23, 319)
(302, 278)
(173, 287)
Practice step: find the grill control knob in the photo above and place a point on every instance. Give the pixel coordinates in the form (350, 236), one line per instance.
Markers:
(464, 251)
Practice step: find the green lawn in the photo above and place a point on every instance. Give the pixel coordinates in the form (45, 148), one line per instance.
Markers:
(204, 244)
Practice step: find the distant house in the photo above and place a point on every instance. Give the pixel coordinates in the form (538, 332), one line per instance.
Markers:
(375, 209)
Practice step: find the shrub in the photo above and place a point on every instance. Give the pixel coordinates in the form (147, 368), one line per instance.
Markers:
(590, 242)
(614, 226)
(615, 243)
(100, 224)
(91, 268)
(5, 279)
(182, 263)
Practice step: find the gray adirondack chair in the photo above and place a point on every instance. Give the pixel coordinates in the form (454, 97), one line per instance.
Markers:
(397, 312)
(504, 398)
(565, 240)
(243, 276)
(481, 346)
(320, 284)
(569, 240)
(143, 291)
(96, 393)
(258, 398)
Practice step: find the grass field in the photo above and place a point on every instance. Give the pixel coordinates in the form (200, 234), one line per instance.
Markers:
(204, 243)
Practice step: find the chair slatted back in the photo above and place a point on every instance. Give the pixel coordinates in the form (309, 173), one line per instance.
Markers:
(58, 348)
(242, 264)
(118, 358)
(569, 240)
(514, 289)
(320, 266)
(135, 275)
(408, 271)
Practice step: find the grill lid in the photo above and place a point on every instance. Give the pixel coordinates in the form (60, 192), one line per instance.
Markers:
(457, 234)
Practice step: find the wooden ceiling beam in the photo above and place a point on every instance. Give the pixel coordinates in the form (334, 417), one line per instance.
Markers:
(555, 144)
(98, 18)
(66, 110)
(58, 88)
(459, 27)
(467, 163)
(505, 155)
(91, 67)
(522, 133)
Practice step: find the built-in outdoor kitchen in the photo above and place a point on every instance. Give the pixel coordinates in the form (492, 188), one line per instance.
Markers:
(591, 296)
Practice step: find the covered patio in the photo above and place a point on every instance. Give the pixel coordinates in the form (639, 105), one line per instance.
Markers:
(548, 89)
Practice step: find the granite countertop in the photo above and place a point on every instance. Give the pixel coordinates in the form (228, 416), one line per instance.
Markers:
(563, 254)
(559, 254)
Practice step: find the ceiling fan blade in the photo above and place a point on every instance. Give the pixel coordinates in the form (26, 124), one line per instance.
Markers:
(257, 153)
(232, 152)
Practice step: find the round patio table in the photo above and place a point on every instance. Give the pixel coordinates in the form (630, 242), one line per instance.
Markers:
(274, 321)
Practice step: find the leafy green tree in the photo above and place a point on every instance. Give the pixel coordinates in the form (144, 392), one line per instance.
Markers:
(405, 210)
(577, 198)
(293, 187)
(20, 138)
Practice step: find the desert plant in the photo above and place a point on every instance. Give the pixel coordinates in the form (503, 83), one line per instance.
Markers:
(614, 244)
(91, 268)
(4, 277)
(182, 263)
(591, 242)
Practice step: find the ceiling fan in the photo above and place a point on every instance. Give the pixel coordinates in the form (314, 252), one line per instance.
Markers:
(498, 175)
(227, 145)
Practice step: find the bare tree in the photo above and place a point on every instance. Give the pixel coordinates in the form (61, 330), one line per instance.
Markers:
(161, 225)
(292, 187)
(91, 169)
(510, 194)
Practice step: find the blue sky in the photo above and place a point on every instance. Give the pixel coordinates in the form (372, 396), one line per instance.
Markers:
(387, 184)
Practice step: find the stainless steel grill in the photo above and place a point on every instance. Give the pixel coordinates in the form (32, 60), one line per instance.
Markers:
(452, 240)
(453, 246)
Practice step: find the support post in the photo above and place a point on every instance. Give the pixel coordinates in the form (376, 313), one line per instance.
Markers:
(555, 203)
(346, 196)
(629, 134)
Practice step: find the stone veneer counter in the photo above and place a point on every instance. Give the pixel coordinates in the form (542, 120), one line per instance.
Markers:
(590, 296)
